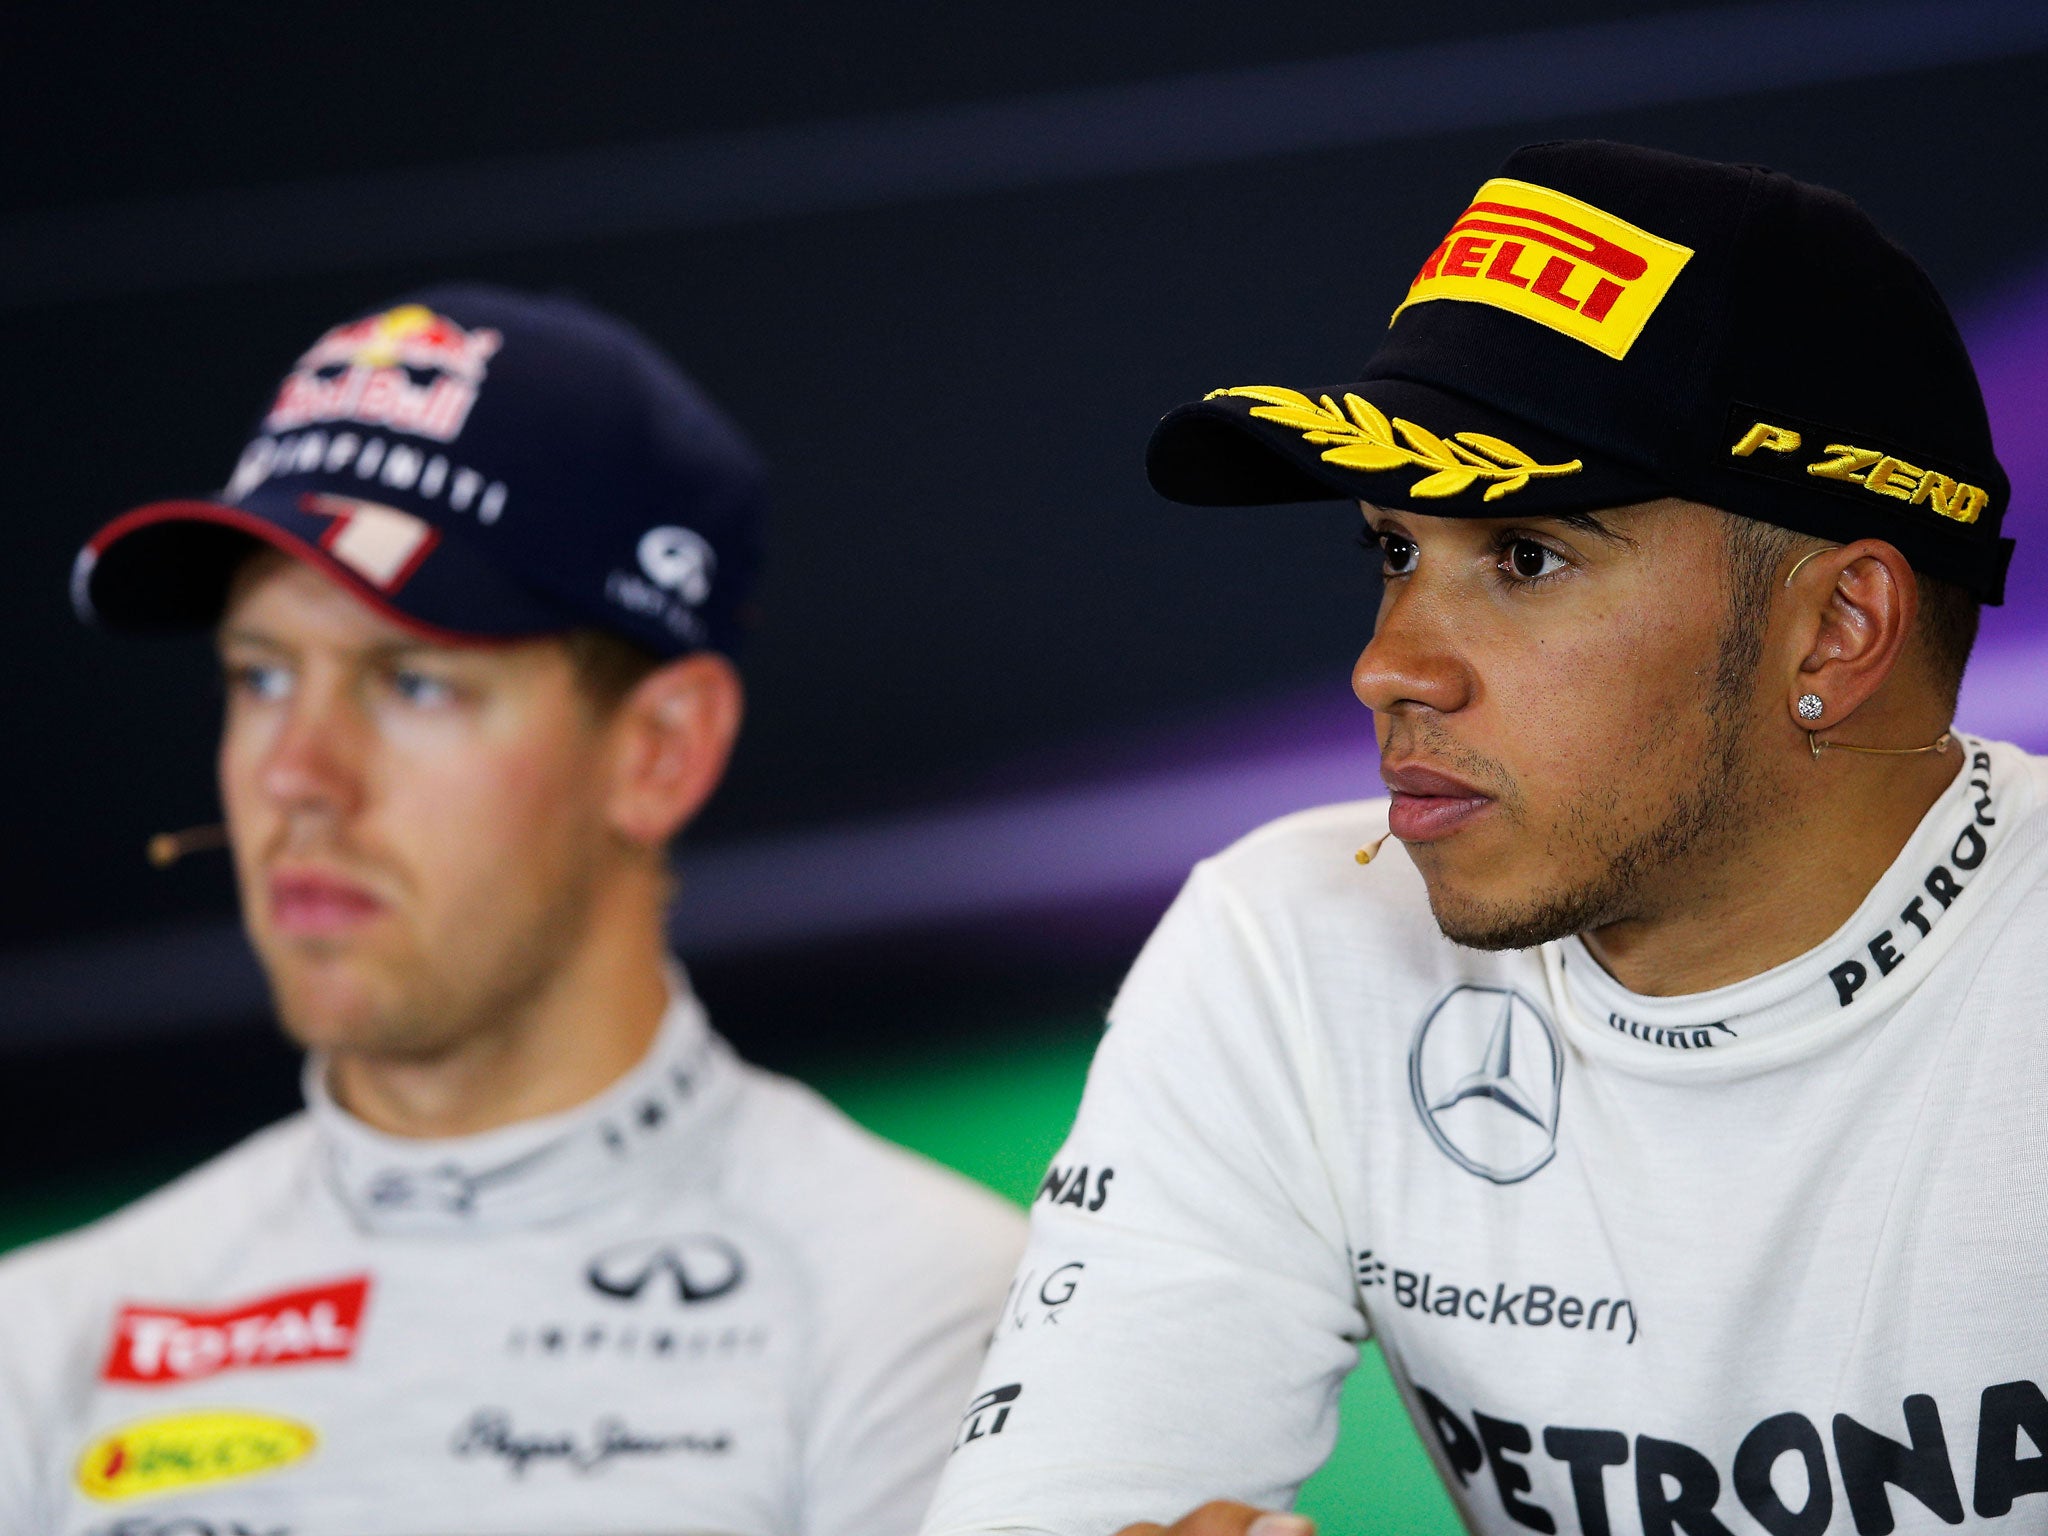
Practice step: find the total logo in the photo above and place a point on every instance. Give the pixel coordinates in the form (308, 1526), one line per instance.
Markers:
(364, 372)
(1486, 1073)
(189, 1450)
(158, 1346)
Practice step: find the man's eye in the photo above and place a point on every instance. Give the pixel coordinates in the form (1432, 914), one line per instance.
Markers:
(256, 681)
(1528, 560)
(421, 688)
(1400, 553)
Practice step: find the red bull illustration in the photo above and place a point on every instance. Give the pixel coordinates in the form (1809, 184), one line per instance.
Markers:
(365, 372)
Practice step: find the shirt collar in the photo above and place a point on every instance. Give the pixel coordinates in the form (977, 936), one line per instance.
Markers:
(1904, 909)
(646, 1130)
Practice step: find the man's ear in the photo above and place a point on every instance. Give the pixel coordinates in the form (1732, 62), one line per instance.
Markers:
(1854, 612)
(670, 740)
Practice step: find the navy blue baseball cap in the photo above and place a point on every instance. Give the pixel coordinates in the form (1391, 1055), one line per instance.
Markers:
(477, 465)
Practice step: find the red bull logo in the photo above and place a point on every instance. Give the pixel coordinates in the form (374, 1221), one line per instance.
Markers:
(1555, 260)
(367, 371)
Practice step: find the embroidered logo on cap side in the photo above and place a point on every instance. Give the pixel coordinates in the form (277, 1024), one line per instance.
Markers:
(1361, 437)
(1555, 260)
(1791, 449)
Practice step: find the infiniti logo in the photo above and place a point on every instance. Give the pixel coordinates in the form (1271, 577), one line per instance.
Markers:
(699, 1267)
(680, 560)
(1486, 1073)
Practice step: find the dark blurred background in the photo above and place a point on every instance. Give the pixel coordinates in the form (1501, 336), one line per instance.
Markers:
(946, 263)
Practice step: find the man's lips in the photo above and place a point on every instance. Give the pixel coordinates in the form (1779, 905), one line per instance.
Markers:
(1428, 804)
(316, 903)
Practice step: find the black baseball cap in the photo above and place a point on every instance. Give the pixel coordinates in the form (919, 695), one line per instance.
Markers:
(1606, 324)
(478, 465)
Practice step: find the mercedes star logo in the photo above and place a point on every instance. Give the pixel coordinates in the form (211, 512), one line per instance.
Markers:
(1486, 1072)
(700, 1268)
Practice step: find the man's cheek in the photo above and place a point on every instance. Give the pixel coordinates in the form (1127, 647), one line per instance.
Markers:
(477, 837)
(251, 828)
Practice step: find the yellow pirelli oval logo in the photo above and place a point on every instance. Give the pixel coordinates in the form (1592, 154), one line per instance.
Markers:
(189, 1450)
(1555, 260)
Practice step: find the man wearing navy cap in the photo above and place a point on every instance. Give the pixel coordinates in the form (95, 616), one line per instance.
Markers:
(1666, 1100)
(541, 1254)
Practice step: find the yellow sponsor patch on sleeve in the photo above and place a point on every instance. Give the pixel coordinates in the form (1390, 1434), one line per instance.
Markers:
(189, 1450)
(1555, 260)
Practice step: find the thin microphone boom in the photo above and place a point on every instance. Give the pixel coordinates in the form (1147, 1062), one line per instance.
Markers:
(166, 848)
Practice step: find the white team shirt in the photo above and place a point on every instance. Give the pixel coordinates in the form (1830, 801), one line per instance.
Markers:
(702, 1302)
(1768, 1258)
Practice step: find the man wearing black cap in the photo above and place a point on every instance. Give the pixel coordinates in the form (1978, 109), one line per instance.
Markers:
(541, 1254)
(1667, 1100)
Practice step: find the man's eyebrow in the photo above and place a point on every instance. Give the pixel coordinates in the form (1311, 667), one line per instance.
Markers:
(1590, 523)
(382, 651)
(225, 637)
(402, 646)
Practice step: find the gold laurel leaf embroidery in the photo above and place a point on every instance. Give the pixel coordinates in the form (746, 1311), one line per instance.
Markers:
(1358, 435)
(1271, 394)
(1367, 456)
(1473, 456)
(1445, 482)
(1429, 448)
(1369, 418)
(1507, 453)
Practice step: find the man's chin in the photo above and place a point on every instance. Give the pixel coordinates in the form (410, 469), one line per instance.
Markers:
(1497, 920)
(331, 1002)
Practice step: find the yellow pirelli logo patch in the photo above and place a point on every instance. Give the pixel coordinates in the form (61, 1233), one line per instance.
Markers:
(189, 1450)
(1555, 260)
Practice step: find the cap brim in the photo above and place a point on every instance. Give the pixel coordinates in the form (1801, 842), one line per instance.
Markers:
(168, 566)
(1390, 442)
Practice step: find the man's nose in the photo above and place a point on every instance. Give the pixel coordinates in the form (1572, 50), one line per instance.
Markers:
(315, 762)
(1412, 660)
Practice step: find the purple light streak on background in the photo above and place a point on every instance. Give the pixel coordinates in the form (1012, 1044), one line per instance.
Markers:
(1113, 843)
(1114, 826)
(2005, 693)
(2009, 341)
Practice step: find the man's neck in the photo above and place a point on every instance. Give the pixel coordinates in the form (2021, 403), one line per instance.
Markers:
(1792, 879)
(587, 1025)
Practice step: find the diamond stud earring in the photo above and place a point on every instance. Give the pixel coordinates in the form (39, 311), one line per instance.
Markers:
(1810, 706)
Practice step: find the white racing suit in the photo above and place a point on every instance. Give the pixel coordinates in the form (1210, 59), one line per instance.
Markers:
(1772, 1258)
(702, 1302)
